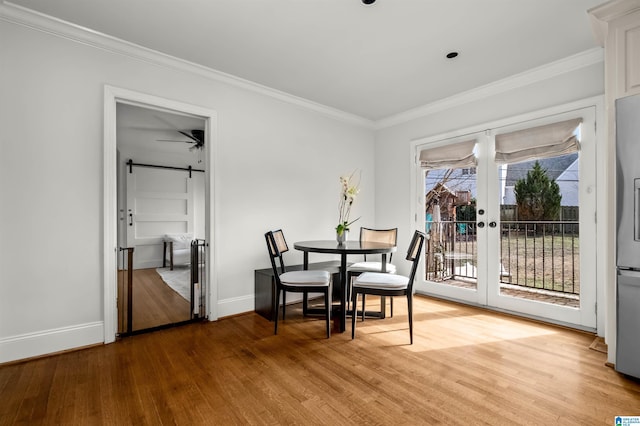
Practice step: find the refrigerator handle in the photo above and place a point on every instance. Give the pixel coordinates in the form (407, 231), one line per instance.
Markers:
(631, 273)
(636, 209)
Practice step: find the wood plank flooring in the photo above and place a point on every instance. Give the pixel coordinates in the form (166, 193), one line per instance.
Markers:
(154, 302)
(466, 366)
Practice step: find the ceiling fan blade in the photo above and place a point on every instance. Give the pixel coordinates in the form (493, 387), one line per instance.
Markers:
(188, 135)
(171, 140)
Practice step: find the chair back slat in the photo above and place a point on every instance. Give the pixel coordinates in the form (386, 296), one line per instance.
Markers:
(387, 236)
(276, 245)
(413, 255)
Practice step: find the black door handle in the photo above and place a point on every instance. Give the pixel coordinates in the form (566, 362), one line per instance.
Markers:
(480, 224)
(492, 224)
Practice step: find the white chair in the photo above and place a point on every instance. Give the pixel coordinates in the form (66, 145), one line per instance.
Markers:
(382, 284)
(305, 282)
(177, 250)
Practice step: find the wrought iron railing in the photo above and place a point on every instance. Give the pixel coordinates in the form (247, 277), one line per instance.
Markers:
(538, 255)
(541, 255)
(451, 250)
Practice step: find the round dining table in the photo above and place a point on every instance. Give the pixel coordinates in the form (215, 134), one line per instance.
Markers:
(344, 249)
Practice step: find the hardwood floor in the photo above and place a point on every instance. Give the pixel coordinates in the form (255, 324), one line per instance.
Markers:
(154, 302)
(466, 366)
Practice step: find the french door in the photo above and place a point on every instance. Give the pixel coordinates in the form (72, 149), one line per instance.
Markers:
(495, 238)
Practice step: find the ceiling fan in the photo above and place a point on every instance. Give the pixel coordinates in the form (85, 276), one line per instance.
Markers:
(196, 137)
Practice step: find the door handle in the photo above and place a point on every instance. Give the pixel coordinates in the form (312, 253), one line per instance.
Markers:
(480, 224)
(492, 224)
(130, 219)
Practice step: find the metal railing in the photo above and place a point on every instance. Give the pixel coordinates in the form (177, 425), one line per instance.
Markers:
(451, 250)
(538, 255)
(541, 255)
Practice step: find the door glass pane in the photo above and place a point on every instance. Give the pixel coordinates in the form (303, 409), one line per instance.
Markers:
(540, 233)
(450, 225)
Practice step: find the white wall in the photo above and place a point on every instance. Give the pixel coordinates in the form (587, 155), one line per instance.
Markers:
(277, 166)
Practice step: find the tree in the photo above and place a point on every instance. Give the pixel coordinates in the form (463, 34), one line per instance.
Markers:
(537, 196)
(467, 213)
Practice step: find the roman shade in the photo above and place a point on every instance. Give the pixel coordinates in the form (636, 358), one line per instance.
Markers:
(453, 156)
(546, 141)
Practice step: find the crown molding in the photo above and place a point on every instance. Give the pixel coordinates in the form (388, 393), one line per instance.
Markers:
(614, 9)
(544, 72)
(16, 14)
(19, 15)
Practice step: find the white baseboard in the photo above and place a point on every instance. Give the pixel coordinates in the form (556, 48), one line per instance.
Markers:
(240, 305)
(236, 305)
(50, 341)
(65, 338)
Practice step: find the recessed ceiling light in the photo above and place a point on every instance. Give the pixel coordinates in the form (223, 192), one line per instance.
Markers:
(452, 55)
(368, 1)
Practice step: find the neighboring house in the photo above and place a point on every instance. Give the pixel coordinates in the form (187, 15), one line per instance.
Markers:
(456, 180)
(563, 169)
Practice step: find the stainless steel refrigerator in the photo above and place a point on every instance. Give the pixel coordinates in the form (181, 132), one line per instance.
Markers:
(628, 234)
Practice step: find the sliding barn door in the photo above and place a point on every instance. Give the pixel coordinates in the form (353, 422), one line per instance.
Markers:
(159, 202)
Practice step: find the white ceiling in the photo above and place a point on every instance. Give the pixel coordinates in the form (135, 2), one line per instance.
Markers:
(374, 61)
(143, 130)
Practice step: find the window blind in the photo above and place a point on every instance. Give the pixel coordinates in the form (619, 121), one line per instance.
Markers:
(538, 142)
(454, 156)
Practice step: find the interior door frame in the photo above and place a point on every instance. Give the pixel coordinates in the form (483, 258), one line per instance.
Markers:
(602, 199)
(113, 96)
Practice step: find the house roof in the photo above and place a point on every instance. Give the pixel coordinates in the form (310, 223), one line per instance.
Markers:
(554, 167)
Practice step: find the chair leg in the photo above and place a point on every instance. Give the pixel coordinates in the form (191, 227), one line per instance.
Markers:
(349, 278)
(164, 255)
(277, 310)
(327, 305)
(363, 296)
(391, 306)
(354, 314)
(410, 309)
(284, 303)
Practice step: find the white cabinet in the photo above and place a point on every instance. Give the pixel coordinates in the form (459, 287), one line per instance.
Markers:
(626, 31)
(617, 26)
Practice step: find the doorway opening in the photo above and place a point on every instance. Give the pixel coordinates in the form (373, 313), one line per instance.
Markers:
(158, 213)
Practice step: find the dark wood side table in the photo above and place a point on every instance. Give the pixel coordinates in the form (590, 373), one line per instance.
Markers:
(265, 285)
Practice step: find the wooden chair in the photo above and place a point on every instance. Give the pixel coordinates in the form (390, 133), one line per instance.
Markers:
(382, 284)
(311, 281)
(389, 236)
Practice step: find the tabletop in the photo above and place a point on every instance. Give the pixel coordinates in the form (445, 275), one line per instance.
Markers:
(350, 247)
